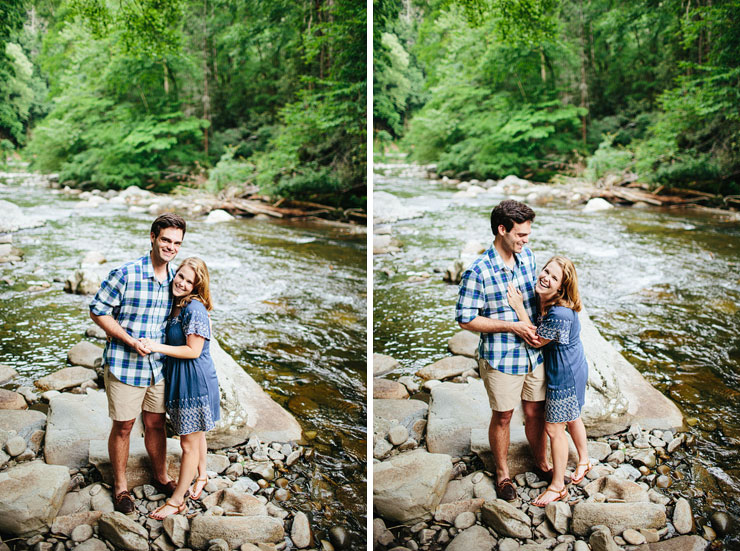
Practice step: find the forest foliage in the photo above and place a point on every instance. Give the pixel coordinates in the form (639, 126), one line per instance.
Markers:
(485, 88)
(217, 93)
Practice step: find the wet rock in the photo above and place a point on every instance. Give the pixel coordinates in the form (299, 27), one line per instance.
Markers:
(389, 390)
(614, 488)
(217, 216)
(675, 443)
(597, 204)
(383, 364)
(138, 469)
(455, 410)
(123, 532)
(11, 400)
(14, 219)
(300, 531)
(464, 343)
(663, 481)
(67, 377)
(683, 521)
(232, 501)
(177, 528)
(388, 208)
(506, 519)
(339, 537)
(65, 524)
(384, 244)
(32, 493)
(559, 514)
(448, 512)
(618, 517)
(235, 530)
(721, 522)
(409, 486)
(475, 537)
(601, 540)
(92, 258)
(681, 543)
(82, 282)
(446, 368)
(6, 374)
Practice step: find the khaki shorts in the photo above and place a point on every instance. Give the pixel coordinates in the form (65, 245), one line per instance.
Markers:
(506, 391)
(126, 402)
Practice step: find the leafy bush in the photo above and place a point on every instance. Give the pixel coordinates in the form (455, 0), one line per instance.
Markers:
(608, 159)
(229, 171)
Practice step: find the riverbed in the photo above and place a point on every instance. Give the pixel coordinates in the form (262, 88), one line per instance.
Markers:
(290, 307)
(663, 286)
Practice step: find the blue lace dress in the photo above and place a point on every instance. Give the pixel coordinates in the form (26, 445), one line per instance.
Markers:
(191, 386)
(566, 367)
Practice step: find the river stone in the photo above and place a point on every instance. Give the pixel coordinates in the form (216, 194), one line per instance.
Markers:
(217, 463)
(388, 208)
(628, 472)
(617, 395)
(23, 422)
(446, 368)
(601, 540)
(93, 544)
(67, 377)
(465, 520)
(405, 412)
(75, 420)
(474, 538)
(86, 354)
(506, 519)
(15, 446)
(300, 532)
(558, 513)
(409, 486)
(65, 524)
(388, 390)
(448, 512)
(614, 488)
(32, 493)
(12, 400)
(633, 537)
(464, 343)
(235, 530)
(218, 215)
(123, 532)
(13, 218)
(618, 517)
(721, 522)
(683, 521)
(598, 450)
(456, 409)
(383, 364)
(82, 533)
(596, 204)
(82, 282)
(246, 409)
(93, 258)
(398, 434)
(6, 374)
(232, 501)
(681, 543)
(646, 457)
(95, 332)
(138, 467)
(177, 528)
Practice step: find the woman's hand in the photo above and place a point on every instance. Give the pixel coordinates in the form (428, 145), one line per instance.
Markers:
(516, 300)
(150, 344)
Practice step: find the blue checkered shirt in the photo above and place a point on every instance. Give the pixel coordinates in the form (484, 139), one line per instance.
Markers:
(483, 293)
(141, 305)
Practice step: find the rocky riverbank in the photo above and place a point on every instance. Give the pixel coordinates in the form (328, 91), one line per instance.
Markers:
(55, 475)
(433, 472)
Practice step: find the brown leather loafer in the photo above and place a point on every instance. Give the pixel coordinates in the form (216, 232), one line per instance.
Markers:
(505, 490)
(124, 503)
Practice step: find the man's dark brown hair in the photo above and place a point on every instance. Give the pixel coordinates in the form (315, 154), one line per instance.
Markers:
(168, 220)
(509, 212)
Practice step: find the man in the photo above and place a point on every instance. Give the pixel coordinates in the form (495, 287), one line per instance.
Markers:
(134, 302)
(511, 370)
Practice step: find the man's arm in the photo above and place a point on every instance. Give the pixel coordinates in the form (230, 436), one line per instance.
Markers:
(522, 329)
(114, 330)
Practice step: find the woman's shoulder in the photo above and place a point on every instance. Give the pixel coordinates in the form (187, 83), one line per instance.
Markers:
(196, 306)
(562, 312)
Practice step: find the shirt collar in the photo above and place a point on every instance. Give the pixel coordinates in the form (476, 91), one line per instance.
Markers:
(498, 262)
(148, 269)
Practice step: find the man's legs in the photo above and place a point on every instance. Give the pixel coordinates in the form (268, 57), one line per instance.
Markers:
(534, 428)
(498, 438)
(118, 445)
(155, 440)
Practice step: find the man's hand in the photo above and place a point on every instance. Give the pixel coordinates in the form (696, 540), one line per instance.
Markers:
(141, 348)
(527, 332)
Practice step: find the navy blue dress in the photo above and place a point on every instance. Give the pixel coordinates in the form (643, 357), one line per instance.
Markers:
(566, 367)
(191, 386)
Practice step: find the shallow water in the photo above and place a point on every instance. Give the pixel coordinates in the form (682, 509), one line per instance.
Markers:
(662, 286)
(290, 306)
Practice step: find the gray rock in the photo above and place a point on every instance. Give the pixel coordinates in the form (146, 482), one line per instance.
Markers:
(386, 413)
(675, 443)
(217, 463)
(123, 532)
(86, 354)
(464, 343)
(28, 393)
(559, 514)
(65, 524)
(11, 400)
(618, 517)
(32, 493)
(383, 364)
(614, 488)
(474, 538)
(628, 472)
(446, 368)
(13, 218)
(455, 410)
(465, 520)
(410, 383)
(598, 450)
(177, 528)
(300, 532)
(67, 377)
(235, 530)
(138, 469)
(448, 512)
(601, 540)
(388, 390)
(681, 543)
(81, 533)
(683, 520)
(92, 544)
(6, 374)
(15, 446)
(506, 519)
(83, 282)
(409, 486)
(102, 501)
(23, 422)
(96, 332)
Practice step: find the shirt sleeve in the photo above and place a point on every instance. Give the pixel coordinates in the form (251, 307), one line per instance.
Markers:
(110, 294)
(556, 324)
(195, 320)
(471, 297)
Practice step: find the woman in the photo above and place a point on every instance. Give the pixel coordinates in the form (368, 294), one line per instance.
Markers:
(565, 367)
(192, 396)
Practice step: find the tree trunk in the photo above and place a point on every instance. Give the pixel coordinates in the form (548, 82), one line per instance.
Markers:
(206, 98)
(584, 82)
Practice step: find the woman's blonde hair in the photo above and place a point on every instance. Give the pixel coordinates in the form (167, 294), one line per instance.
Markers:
(201, 285)
(568, 294)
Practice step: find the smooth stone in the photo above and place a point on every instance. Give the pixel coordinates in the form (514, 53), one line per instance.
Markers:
(597, 204)
(122, 532)
(300, 532)
(598, 450)
(82, 533)
(235, 530)
(6, 374)
(633, 537)
(398, 434)
(464, 343)
(618, 517)
(650, 534)
(93, 544)
(388, 390)
(474, 538)
(96, 332)
(67, 377)
(446, 368)
(681, 543)
(383, 364)
(15, 446)
(663, 481)
(12, 400)
(339, 537)
(721, 522)
(217, 463)
(465, 520)
(506, 519)
(617, 456)
(683, 521)
(675, 443)
(218, 215)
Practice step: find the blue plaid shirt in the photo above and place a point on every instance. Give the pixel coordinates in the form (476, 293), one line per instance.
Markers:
(141, 305)
(483, 293)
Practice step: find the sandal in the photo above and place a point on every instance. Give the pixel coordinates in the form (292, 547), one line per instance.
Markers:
(193, 495)
(561, 495)
(588, 466)
(178, 509)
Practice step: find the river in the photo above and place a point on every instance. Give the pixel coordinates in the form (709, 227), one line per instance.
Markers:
(662, 286)
(290, 307)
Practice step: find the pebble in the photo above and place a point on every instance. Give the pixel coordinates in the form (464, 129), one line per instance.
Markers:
(633, 537)
(663, 481)
(721, 522)
(339, 537)
(398, 434)
(465, 520)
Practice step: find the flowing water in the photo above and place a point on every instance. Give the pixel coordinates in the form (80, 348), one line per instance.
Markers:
(290, 306)
(662, 286)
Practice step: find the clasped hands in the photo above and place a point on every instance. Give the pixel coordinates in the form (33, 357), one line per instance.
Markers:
(145, 346)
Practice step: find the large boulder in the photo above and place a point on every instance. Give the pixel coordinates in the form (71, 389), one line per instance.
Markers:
(448, 367)
(618, 517)
(246, 409)
(6, 374)
(409, 413)
(617, 395)
(30, 496)
(138, 467)
(83, 282)
(86, 354)
(464, 343)
(233, 501)
(23, 422)
(383, 364)
(123, 532)
(13, 218)
(409, 486)
(236, 531)
(388, 208)
(67, 377)
(11, 400)
(506, 519)
(455, 410)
